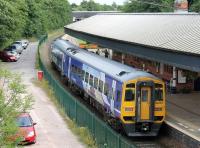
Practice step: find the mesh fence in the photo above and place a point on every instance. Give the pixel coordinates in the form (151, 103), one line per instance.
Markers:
(103, 134)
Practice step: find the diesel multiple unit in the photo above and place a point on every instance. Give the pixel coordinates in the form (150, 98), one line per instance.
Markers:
(130, 99)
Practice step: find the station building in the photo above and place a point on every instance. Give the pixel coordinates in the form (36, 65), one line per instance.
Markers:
(165, 44)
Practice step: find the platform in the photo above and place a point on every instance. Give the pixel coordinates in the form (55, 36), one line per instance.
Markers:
(183, 113)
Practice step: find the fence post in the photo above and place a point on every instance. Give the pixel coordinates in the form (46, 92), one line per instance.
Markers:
(76, 111)
(118, 141)
(93, 126)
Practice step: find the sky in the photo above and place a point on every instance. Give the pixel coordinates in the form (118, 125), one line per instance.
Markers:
(109, 2)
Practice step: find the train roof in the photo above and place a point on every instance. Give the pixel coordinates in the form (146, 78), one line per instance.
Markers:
(115, 69)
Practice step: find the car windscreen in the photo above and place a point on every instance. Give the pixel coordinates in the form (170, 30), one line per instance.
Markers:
(24, 121)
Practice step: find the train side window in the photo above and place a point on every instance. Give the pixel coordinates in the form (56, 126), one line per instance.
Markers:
(72, 68)
(79, 71)
(158, 92)
(130, 95)
(118, 98)
(82, 74)
(106, 89)
(95, 83)
(91, 80)
(101, 86)
(86, 77)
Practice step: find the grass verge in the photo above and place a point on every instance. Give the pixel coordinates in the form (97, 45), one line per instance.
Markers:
(82, 132)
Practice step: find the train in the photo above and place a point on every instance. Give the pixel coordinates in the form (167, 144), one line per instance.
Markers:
(130, 100)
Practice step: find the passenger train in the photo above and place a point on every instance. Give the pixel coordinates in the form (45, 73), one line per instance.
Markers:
(131, 99)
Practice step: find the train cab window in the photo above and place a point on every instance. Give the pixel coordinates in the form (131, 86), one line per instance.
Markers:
(158, 92)
(100, 85)
(130, 95)
(106, 89)
(131, 85)
(95, 83)
(86, 77)
(91, 80)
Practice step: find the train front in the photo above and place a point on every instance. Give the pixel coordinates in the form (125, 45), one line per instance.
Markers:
(143, 106)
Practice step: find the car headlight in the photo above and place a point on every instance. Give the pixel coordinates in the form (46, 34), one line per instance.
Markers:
(30, 134)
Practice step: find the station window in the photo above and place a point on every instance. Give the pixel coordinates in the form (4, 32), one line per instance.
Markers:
(86, 77)
(100, 85)
(130, 95)
(106, 89)
(158, 92)
(91, 80)
(95, 83)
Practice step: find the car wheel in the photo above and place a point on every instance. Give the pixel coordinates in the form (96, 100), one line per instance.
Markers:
(34, 141)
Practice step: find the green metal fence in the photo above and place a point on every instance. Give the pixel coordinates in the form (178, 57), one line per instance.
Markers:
(103, 134)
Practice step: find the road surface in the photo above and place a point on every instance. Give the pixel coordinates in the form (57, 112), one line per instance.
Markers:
(52, 131)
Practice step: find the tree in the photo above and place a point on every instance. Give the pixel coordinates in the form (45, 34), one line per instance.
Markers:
(28, 18)
(13, 100)
(148, 6)
(92, 6)
(12, 20)
(194, 5)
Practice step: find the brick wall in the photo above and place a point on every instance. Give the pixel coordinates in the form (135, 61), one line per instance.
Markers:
(152, 67)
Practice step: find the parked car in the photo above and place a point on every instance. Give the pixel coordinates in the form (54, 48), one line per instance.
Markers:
(16, 47)
(26, 126)
(9, 56)
(23, 43)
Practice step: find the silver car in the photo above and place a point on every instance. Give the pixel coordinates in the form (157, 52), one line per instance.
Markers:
(23, 43)
(16, 47)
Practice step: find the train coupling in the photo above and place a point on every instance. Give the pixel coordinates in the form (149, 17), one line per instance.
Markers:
(145, 127)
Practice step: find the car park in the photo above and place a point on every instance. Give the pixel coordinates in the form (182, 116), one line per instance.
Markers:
(26, 128)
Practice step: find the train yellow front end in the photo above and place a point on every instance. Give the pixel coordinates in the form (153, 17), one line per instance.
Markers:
(143, 106)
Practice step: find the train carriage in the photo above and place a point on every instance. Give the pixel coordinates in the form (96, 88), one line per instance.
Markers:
(130, 98)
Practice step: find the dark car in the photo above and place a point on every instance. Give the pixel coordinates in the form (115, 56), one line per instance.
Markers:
(26, 126)
(9, 56)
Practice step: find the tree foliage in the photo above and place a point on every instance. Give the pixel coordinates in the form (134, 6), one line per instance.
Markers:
(156, 6)
(148, 6)
(93, 6)
(13, 100)
(27, 18)
(195, 5)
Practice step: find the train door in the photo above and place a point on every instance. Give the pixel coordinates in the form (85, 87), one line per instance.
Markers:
(112, 101)
(145, 103)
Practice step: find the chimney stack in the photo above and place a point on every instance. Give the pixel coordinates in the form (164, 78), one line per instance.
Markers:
(181, 6)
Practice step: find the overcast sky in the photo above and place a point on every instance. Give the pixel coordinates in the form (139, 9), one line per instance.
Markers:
(109, 2)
